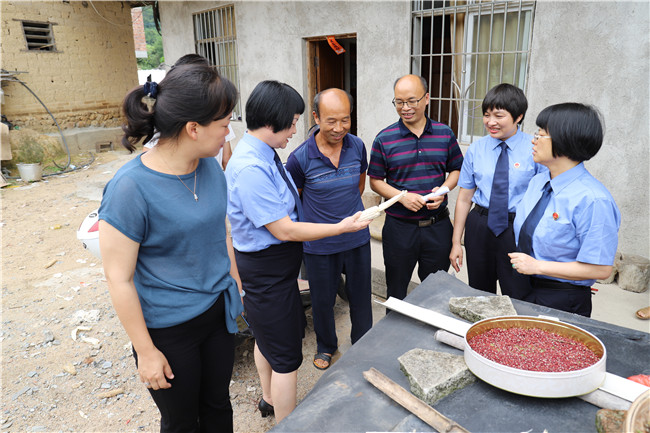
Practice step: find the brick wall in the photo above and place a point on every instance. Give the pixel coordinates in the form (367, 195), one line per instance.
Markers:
(138, 30)
(84, 81)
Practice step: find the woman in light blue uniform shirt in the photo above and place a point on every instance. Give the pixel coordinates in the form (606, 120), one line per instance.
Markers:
(488, 226)
(574, 240)
(264, 211)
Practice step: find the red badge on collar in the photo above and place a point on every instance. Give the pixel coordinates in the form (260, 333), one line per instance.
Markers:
(555, 216)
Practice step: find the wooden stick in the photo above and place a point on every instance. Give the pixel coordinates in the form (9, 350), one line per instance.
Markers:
(411, 403)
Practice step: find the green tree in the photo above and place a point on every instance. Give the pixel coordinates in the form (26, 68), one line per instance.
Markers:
(154, 42)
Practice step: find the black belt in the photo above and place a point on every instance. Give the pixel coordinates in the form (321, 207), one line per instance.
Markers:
(484, 211)
(426, 222)
(545, 283)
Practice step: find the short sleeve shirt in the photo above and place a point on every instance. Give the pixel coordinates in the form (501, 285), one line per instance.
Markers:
(481, 160)
(257, 195)
(580, 223)
(330, 193)
(183, 262)
(415, 164)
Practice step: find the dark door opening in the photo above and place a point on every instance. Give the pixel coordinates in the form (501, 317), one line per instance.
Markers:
(327, 69)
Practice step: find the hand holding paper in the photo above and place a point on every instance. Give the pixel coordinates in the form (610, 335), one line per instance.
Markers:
(441, 191)
(375, 211)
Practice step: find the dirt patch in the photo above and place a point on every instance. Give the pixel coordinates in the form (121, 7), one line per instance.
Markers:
(53, 289)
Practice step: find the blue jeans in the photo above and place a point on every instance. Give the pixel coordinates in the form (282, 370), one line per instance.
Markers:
(323, 272)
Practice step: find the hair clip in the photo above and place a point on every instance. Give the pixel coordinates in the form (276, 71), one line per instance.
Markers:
(151, 89)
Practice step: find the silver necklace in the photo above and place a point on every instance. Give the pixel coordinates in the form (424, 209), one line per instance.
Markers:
(196, 197)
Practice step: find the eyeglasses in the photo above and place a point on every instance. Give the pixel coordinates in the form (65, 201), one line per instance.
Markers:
(413, 103)
(537, 136)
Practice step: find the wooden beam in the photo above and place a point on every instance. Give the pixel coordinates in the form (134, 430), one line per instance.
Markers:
(411, 403)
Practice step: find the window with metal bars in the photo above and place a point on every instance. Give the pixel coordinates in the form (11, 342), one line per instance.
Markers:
(215, 38)
(38, 36)
(464, 48)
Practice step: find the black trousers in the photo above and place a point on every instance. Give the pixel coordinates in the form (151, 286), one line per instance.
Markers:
(487, 258)
(406, 244)
(561, 296)
(324, 272)
(201, 354)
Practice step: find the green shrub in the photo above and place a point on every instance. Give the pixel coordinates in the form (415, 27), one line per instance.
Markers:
(29, 151)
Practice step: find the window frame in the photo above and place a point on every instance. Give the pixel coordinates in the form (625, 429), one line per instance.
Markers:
(525, 18)
(33, 46)
(215, 38)
(441, 49)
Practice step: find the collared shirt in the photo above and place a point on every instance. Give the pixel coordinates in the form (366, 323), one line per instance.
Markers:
(481, 159)
(183, 264)
(330, 194)
(257, 195)
(580, 222)
(414, 164)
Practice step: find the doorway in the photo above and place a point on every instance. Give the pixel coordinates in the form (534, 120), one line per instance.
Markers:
(326, 69)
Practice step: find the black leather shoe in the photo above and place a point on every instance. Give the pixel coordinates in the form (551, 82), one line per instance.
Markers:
(265, 408)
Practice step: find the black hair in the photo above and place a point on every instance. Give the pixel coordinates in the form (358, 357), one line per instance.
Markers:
(423, 82)
(576, 130)
(317, 101)
(273, 104)
(188, 93)
(190, 59)
(507, 97)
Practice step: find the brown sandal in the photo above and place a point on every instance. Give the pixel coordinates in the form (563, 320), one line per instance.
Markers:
(323, 357)
(643, 313)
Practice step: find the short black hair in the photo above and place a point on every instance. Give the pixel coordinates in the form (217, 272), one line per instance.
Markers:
(317, 101)
(507, 97)
(576, 129)
(273, 104)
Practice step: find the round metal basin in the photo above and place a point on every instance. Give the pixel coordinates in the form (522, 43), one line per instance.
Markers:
(638, 417)
(537, 383)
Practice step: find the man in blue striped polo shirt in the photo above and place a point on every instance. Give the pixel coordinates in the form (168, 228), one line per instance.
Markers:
(329, 170)
(414, 154)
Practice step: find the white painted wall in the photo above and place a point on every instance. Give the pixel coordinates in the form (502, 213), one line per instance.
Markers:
(271, 45)
(592, 52)
(597, 53)
(156, 75)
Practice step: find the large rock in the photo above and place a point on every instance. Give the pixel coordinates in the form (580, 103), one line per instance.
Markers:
(615, 267)
(475, 308)
(610, 421)
(434, 375)
(634, 273)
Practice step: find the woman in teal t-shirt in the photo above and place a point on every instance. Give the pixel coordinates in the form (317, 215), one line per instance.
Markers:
(165, 249)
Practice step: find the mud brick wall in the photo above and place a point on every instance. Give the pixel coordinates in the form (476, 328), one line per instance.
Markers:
(84, 80)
